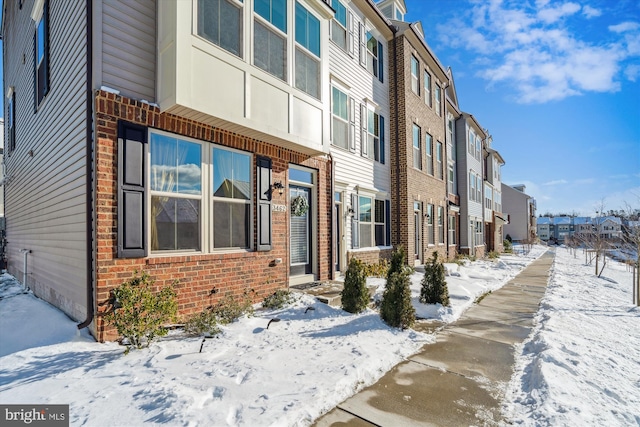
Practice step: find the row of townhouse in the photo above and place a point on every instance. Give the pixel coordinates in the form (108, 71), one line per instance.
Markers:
(558, 229)
(231, 145)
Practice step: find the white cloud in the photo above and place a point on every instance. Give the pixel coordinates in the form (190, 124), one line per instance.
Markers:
(537, 51)
(552, 14)
(557, 182)
(624, 27)
(591, 12)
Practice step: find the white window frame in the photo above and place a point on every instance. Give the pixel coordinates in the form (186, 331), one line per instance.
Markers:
(206, 197)
(417, 150)
(428, 148)
(415, 75)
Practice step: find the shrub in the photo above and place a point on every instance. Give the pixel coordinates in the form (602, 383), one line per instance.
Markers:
(378, 269)
(396, 309)
(203, 323)
(434, 285)
(278, 299)
(399, 263)
(229, 309)
(493, 255)
(138, 313)
(355, 295)
(508, 246)
(509, 238)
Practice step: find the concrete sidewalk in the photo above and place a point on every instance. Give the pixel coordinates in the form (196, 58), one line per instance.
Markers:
(461, 379)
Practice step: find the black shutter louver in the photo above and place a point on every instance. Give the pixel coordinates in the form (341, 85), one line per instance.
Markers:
(264, 203)
(132, 239)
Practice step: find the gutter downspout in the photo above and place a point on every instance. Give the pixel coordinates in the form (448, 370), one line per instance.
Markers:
(24, 271)
(89, 167)
(333, 218)
(394, 30)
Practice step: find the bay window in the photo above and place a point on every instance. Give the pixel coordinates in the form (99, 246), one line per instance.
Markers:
(220, 22)
(270, 37)
(307, 58)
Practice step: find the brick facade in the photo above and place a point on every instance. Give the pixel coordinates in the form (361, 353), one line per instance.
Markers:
(415, 185)
(202, 278)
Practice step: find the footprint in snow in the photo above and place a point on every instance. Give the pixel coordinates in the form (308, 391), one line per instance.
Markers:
(242, 377)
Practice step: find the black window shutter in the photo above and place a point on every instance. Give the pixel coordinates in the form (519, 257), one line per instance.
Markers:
(380, 62)
(387, 221)
(132, 238)
(264, 203)
(382, 142)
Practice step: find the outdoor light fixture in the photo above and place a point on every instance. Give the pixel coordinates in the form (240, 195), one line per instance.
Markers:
(278, 186)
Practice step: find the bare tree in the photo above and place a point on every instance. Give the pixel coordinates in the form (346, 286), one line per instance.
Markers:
(631, 247)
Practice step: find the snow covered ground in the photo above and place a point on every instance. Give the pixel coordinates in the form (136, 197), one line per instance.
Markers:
(581, 364)
(310, 361)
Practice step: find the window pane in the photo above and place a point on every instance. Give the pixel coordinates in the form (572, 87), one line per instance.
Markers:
(365, 235)
(307, 73)
(220, 22)
(230, 224)
(41, 39)
(338, 34)
(175, 165)
(300, 176)
(175, 223)
(231, 174)
(307, 30)
(269, 51)
(380, 211)
(274, 11)
(340, 133)
(341, 12)
(365, 209)
(339, 104)
(380, 235)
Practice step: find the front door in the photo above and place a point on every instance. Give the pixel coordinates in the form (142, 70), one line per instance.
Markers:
(301, 214)
(417, 227)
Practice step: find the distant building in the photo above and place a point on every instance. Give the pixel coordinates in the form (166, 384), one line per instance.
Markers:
(520, 209)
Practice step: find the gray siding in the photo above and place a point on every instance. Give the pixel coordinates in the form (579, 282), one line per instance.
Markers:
(128, 48)
(45, 195)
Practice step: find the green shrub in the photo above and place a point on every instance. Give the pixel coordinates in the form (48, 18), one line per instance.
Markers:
(399, 263)
(378, 269)
(493, 255)
(355, 295)
(434, 285)
(203, 323)
(229, 309)
(396, 309)
(278, 299)
(508, 246)
(138, 313)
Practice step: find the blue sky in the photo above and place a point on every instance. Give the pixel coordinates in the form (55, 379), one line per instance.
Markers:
(557, 84)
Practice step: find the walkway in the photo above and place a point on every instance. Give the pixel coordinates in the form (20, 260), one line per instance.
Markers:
(461, 379)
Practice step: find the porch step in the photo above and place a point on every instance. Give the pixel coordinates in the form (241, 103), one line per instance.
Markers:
(327, 292)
